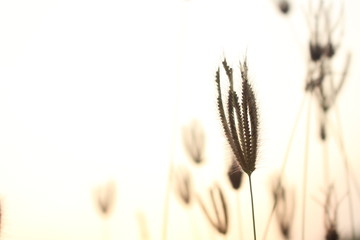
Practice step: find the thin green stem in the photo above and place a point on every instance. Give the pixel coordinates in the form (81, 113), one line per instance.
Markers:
(252, 207)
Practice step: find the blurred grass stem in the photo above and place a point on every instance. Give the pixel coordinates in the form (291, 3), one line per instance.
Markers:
(283, 166)
(347, 171)
(306, 158)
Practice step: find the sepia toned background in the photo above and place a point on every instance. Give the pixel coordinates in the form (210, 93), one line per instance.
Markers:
(97, 91)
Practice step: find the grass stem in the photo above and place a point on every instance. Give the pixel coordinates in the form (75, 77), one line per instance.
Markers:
(347, 170)
(252, 207)
(326, 163)
(306, 153)
(285, 163)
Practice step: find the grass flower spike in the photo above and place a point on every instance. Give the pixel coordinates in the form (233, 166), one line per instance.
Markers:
(235, 175)
(220, 221)
(240, 124)
(183, 185)
(194, 141)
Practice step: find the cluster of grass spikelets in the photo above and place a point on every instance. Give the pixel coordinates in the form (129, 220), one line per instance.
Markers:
(239, 121)
(323, 83)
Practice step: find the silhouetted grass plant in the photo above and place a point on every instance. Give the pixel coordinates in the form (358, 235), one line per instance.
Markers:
(183, 185)
(284, 6)
(105, 201)
(322, 86)
(235, 175)
(194, 141)
(331, 217)
(240, 124)
(330, 207)
(105, 198)
(321, 79)
(217, 214)
(285, 210)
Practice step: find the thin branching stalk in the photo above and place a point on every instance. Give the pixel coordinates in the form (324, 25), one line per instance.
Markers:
(347, 171)
(283, 166)
(336, 90)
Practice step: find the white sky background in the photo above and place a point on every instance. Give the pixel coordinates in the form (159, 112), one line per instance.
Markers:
(92, 90)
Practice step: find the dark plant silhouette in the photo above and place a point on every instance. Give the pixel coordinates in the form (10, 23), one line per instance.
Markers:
(322, 49)
(284, 6)
(183, 185)
(241, 127)
(242, 135)
(330, 215)
(324, 31)
(105, 198)
(285, 202)
(219, 219)
(194, 141)
(235, 175)
(324, 84)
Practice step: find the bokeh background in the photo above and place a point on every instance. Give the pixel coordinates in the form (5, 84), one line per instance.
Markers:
(96, 91)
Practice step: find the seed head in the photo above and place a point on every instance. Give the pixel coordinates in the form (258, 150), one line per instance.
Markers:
(221, 219)
(183, 185)
(241, 123)
(235, 175)
(284, 6)
(194, 141)
(105, 198)
(316, 51)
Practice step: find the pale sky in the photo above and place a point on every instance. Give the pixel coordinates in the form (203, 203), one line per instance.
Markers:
(92, 91)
